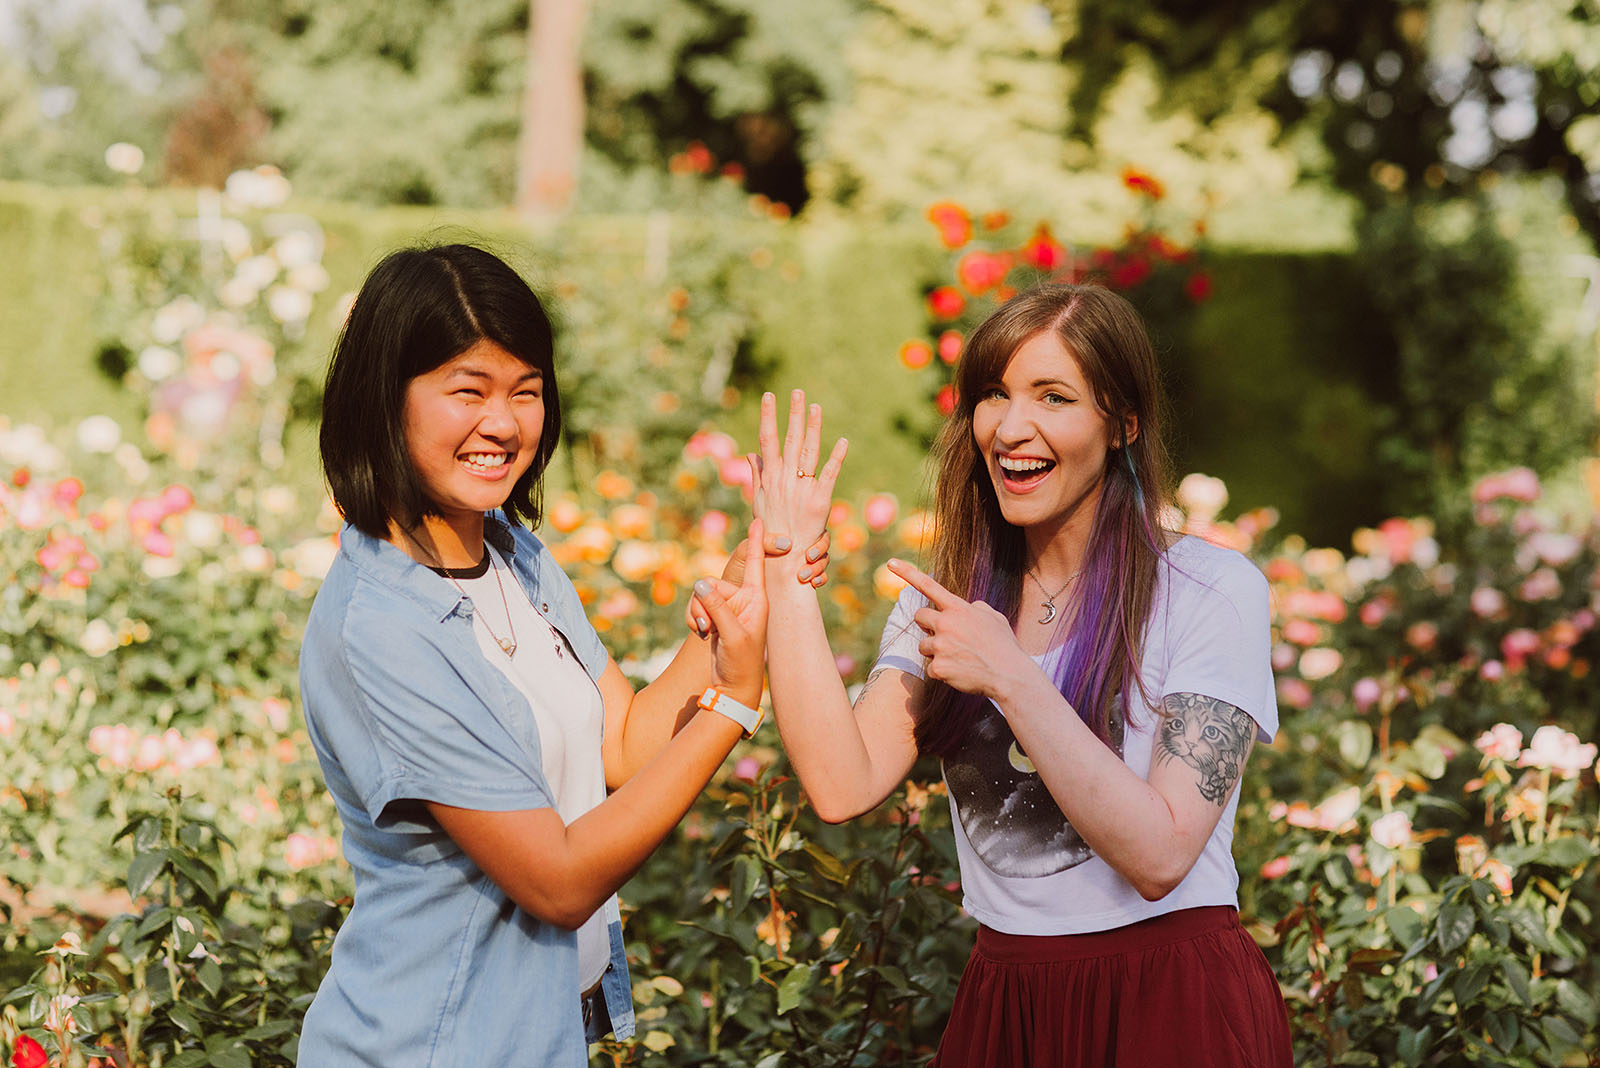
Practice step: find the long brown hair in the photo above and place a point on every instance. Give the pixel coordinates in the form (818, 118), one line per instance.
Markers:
(978, 555)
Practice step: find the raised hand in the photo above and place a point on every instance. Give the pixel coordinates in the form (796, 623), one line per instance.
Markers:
(968, 644)
(791, 496)
(738, 623)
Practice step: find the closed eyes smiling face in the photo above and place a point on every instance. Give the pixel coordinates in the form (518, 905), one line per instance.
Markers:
(1042, 435)
(472, 428)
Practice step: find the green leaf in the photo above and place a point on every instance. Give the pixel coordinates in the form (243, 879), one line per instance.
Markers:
(1502, 1028)
(1354, 739)
(1413, 1044)
(143, 871)
(210, 976)
(199, 872)
(1575, 1002)
(1516, 976)
(232, 1057)
(147, 834)
(184, 1018)
(828, 865)
(1560, 1035)
(1528, 927)
(270, 1029)
(1405, 925)
(1455, 925)
(1568, 852)
(746, 875)
(793, 986)
(1470, 983)
(155, 920)
(771, 1060)
(189, 1058)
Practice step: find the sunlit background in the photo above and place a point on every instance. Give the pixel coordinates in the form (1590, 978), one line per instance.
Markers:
(1363, 233)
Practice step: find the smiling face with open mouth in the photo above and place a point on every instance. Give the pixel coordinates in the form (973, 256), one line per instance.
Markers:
(472, 429)
(1043, 437)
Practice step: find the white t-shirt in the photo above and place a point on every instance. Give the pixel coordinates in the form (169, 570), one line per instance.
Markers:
(1024, 869)
(567, 708)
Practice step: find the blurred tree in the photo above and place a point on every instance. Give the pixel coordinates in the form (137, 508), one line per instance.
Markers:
(752, 81)
(1417, 109)
(219, 130)
(551, 138)
(75, 78)
(971, 101)
(1415, 96)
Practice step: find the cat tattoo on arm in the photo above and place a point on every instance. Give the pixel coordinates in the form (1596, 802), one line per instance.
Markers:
(1209, 735)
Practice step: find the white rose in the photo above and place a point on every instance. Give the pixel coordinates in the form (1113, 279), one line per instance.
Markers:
(99, 433)
(125, 158)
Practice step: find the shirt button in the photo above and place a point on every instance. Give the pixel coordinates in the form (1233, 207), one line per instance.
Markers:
(544, 606)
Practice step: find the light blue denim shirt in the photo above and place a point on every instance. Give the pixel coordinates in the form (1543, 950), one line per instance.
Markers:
(435, 966)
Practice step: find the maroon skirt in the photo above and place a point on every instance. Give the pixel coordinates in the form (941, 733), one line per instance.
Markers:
(1189, 988)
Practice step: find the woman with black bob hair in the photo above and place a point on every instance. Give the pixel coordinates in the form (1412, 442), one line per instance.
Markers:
(496, 774)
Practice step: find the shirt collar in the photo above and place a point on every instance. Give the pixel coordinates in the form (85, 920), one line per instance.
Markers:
(387, 564)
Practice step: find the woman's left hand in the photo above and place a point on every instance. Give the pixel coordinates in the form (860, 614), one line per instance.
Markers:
(738, 624)
(968, 644)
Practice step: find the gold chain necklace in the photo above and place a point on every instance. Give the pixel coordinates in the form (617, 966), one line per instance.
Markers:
(1050, 598)
(507, 645)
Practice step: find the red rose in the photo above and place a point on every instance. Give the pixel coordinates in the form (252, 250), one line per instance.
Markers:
(1130, 273)
(1043, 251)
(946, 400)
(1140, 182)
(982, 271)
(950, 346)
(955, 225)
(1198, 287)
(28, 1054)
(916, 354)
(946, 302)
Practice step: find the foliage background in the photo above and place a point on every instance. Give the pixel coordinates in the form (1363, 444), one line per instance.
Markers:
(1363, 234)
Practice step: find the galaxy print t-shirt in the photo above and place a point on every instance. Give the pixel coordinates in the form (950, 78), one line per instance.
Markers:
(1024, 869)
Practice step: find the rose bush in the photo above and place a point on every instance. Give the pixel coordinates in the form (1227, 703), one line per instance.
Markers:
(1418, 847)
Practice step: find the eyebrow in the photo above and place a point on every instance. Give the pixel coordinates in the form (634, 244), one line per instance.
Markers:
(1037, 382)
(473, 372)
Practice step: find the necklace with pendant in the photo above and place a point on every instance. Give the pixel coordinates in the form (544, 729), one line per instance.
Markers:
(1050, 598)
(507, 645)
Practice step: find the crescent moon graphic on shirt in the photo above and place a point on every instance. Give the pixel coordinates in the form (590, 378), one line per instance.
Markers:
(1006, 811)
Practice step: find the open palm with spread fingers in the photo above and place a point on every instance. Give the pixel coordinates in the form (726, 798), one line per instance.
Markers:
(792, 496)
(968, 643)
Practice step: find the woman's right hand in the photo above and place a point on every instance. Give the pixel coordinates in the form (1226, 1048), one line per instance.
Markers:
(791, 496)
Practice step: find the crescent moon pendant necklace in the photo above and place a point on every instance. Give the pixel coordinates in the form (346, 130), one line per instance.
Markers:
(1050, 598)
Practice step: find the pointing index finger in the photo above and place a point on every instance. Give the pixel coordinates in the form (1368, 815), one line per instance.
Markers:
(924, 584)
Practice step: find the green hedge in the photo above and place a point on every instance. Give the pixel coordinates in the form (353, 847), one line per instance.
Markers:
(1285, 383)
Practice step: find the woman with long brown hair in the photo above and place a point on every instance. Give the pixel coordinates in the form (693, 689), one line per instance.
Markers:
(1091, 682)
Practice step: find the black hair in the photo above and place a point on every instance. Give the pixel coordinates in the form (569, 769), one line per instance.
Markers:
(419, 308)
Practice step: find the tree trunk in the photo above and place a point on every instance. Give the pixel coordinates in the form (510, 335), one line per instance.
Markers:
(552, 109)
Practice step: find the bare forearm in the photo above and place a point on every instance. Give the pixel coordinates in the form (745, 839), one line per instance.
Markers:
(1127, 822)
(662, 709)
(607, 844)
(815, 721)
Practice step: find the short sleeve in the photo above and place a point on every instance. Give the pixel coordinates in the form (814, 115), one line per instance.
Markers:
(1219, 639)
(901, 636)
(434, 726)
